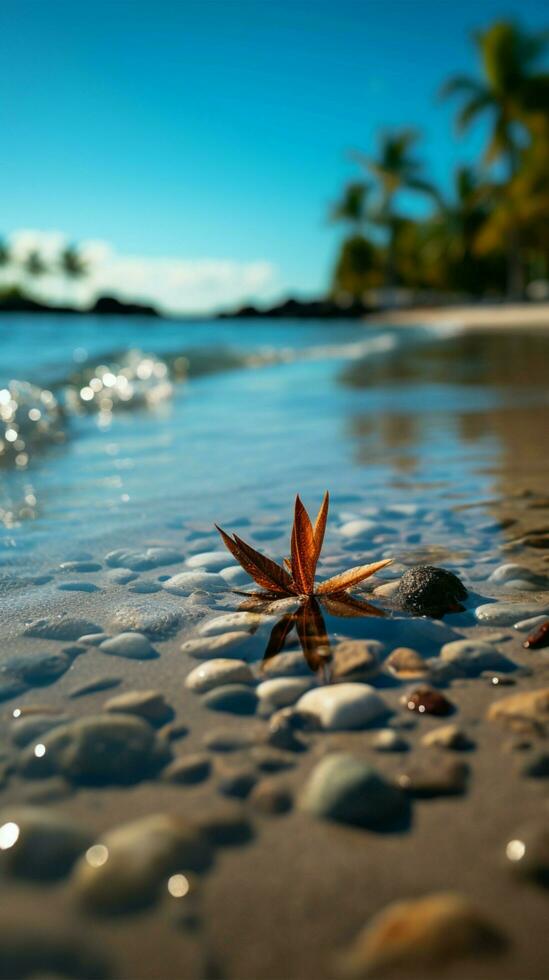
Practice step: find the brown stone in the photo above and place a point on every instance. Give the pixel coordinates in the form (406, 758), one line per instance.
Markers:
(353, 658)
(523, 712)
(426, 700)
(407, 663)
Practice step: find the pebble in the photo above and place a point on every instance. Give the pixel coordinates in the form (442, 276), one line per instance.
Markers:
(343, 706)
(36, 842)
(360, 528)
(188, 769)
(133, 646)
(226, 740)
(507, 613)
(27, 730)
(235, 576)
(280, 692)
(97, 750)
(270, 798)
(474, 656)
(539, 638)
(78, 587)
(237, 782)
(419, 935)
(289, 664)
(510, 572)
(430, 591)
(388, 740)
(406, 663)
(345, 788)
(32, 948)
(216, 673)
(237, 644)
(186, 582)
(356, 658)
(526, 625)
(80, 566)
(94, 686)
(269, 761)
(234, 698)
(142, 561)
(447, 737)
(388, 590)
(150, 705)
(426, 700)
(281, 733)
(213, 561)
(242, 621)
(25, 670)
(145, 588)
(153, 620)
(128, 866)
(121, 576)
(60, 628)
(225, 824)
(435, 776)
(93, 639)
(537, 767)
(524, 711)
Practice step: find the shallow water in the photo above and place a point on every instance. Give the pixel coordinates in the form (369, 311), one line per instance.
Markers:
(266, 408)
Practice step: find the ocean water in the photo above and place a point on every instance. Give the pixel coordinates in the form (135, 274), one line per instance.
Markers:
(231, 418)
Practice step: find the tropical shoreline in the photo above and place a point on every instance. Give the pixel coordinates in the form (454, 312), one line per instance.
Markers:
(496, 316)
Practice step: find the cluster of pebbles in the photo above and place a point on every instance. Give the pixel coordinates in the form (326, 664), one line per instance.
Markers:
(161, 697)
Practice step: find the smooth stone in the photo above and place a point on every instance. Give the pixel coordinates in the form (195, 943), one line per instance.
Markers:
(289, 664)
(78, 587)
(388, 740)
(510, 572)
(121, 576)
(46, 843)
(427, 700)
(406, 663)
(234, 644)
(356, 658)
(188, 769)
(526, 625)
(153, 620)
(237, 783)
(359, 528)
(146, 588)
(270, 798)
(93, 639)
(234, 575)
(136, 860)
(34, 948)
(347, 789)
(216, 673)
(343, 706)
(520, 585)
(388, 590)
(226, 740)
(281, 733)
(242, 621)
(268, 761)
(436, 776)
(60, 628)
(196, 581)
(150, 705)
(134, 646)
(80, 566)
(25, 670)
(212, 561)
(224, 824)
(447, 737)
(94, 686)
(279, 692)
(98, 750)
(27, 730)
(537, 767)
(474, 656)
(526, 710)
(419, 935)
(142, 561)
(234, 698)
(507, 613)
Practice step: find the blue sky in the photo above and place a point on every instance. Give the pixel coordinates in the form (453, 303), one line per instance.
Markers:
(208, 131)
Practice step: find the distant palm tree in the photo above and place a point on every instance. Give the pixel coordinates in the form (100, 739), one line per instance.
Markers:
(394, 169)
(5, 255)
(352, 206)
(34, 264)
(72, 263)
(510, 88)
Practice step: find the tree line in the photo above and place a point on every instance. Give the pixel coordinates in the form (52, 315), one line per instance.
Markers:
(489, 236)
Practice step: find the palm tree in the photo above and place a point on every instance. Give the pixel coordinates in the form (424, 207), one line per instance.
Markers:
(510, 88)
(34, 264)
(5, 256)
(72, 263)
(352, 206)
(394, 169)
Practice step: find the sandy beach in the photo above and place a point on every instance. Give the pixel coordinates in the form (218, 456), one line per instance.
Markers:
(485, 316)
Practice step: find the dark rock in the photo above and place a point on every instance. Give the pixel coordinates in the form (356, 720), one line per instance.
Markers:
(188, 769)
(430, 591)
(234, 698)
(270, 798)
(434, 777)
(426, 700)
(46, 844)
(347, 789)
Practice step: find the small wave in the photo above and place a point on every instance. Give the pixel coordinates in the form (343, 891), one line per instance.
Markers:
(30, 418)
(132, 380)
